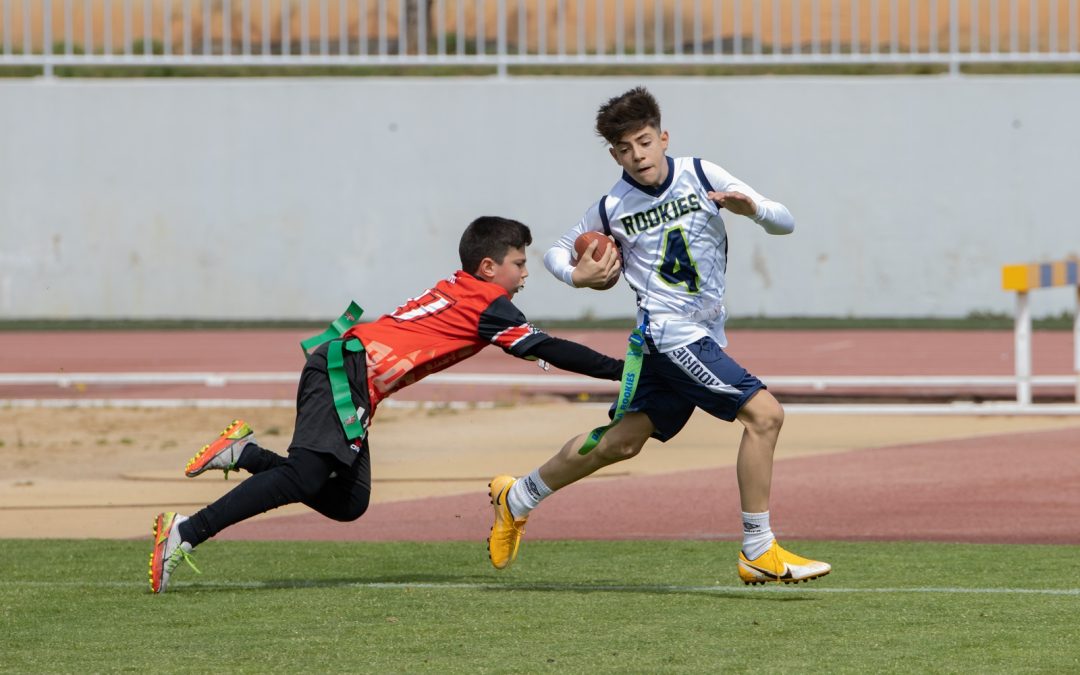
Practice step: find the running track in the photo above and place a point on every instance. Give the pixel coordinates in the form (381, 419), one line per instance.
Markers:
(1016, 488)
(765, 353)
(1008, 488)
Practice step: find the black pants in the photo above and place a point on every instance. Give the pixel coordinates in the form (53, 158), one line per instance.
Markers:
(315, 479)
(324, 469)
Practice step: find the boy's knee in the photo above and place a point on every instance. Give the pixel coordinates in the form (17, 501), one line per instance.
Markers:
(352, 511)
(306, 478)
(618, 450)
(763, 415)
(774, 418)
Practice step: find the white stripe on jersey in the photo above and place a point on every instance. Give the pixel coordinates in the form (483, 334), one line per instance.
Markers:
(674, 248)
(524, 331)
(690, 364)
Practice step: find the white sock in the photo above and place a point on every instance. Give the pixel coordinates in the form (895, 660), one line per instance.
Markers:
(526, 494)
(757, 535)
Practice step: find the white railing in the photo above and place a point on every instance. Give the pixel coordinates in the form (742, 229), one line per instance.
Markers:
(547, 381)
(506, 33)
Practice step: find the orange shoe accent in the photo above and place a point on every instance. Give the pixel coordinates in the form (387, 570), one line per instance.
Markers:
(162, 526)
(220, 453)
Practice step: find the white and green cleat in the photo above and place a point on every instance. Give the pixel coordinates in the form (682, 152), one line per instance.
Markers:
(224, 452)
(168, 550)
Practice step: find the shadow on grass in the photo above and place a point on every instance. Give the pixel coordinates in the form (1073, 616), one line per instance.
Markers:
(484, 584)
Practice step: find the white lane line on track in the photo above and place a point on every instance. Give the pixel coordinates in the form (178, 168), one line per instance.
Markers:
(610, 588)
(991, 409)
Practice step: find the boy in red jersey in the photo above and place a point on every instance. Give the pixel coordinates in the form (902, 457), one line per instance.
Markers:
(328, 466)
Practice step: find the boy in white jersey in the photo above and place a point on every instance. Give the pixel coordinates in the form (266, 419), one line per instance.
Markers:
(665, 217)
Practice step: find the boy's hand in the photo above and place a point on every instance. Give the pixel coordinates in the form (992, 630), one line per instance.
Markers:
(736, 202)
(599, 274)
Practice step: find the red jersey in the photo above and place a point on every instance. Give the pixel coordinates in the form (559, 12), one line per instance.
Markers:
(449, 322)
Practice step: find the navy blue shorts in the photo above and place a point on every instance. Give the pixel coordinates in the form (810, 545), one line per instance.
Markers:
(699, 375)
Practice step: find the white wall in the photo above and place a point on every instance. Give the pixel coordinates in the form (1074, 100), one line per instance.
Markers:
(284, 198)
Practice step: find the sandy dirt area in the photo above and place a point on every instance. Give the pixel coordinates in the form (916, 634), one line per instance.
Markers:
(74, 472)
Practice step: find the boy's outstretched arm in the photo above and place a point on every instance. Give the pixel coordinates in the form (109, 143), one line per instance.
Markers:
(577, 358)
(505, 325)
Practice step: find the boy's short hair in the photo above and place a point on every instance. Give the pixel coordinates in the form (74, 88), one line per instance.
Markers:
(626, 113)
(491, 237)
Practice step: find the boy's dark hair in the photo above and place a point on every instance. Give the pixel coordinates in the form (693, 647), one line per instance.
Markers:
(626, 113)
(491, 237)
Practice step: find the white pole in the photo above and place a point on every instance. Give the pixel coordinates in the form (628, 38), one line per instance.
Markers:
(1022, 329)
(1076, 343)
(46, 32)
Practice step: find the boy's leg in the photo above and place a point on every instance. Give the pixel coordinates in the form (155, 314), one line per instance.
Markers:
(513, 499)
(621, 442)
(277, 481)
(761, 558)
(296, 479)
(761, 416)
(346, 495)
(656, 411)
(706, 375)
(299, 478)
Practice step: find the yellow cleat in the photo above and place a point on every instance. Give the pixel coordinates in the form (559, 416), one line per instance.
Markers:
(776, 564)
(224, 452)
(507, 530)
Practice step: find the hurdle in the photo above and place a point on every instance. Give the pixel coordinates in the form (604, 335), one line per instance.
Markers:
(1022, 279)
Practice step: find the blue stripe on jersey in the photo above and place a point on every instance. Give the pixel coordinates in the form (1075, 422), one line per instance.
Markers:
(701, 175)
(604, 216)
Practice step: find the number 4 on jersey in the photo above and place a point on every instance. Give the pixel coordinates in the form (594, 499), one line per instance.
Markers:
(678, 267)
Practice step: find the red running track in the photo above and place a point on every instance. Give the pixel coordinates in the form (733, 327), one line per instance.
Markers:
(765, 353)
(1014, 488)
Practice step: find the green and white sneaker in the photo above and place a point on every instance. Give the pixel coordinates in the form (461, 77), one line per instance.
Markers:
(168, 550)
(224, 452)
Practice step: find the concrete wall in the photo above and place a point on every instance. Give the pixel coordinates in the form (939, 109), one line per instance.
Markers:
(285, 198)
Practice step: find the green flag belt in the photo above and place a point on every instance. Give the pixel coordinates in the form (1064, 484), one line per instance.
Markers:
(631, 373)
(351, 418)
(336, 328)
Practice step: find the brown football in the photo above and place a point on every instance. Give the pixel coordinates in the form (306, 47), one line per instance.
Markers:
(583, 241)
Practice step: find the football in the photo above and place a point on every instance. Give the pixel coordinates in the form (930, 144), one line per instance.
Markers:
(583, 241)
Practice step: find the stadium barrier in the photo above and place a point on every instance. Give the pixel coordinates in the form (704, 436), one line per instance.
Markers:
(502, 33)
(1022, 279)
(540, 382)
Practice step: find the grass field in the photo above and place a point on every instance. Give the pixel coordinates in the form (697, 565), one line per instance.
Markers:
(627, 606)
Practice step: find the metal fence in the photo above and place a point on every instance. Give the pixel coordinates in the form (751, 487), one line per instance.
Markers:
(504, 33)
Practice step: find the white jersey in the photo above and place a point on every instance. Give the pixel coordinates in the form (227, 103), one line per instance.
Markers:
(674, 247)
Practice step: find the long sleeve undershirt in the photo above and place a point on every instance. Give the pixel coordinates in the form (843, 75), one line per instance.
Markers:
(577, 358)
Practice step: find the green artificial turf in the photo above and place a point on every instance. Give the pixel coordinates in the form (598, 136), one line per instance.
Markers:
(627, 606)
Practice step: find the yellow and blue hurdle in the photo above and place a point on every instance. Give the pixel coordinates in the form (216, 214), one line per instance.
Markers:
(1022, 279)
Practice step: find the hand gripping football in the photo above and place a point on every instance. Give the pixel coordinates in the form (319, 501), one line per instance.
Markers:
(583, 241)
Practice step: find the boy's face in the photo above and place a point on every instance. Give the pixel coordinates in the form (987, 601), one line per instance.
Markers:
(510, 273)
(642, 154)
